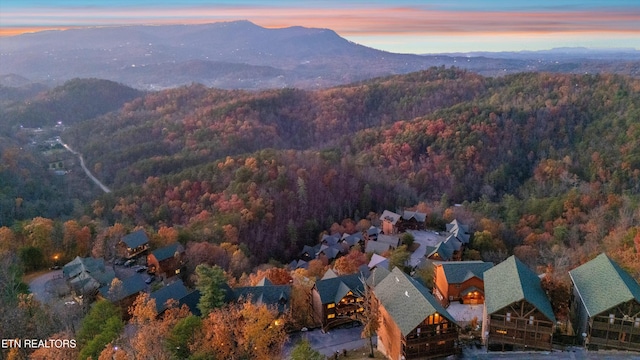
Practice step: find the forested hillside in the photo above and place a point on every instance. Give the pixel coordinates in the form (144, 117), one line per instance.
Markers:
(547, 165)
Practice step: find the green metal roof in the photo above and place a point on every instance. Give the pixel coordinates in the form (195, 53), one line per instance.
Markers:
(270, 295)
(602, 285)
(407, 301)
(329, 289)
(458, 272)
(512, 281)
(131, 285)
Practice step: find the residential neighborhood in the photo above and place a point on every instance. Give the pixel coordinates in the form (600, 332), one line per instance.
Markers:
(503, 304)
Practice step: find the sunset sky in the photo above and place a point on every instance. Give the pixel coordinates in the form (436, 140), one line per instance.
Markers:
(400, 26)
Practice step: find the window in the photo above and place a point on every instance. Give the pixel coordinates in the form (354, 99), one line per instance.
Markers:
(637, 323)
(612, 318)
(331, 306)
(331, 316)
(501, 332)
(531, 320)
(508, 317)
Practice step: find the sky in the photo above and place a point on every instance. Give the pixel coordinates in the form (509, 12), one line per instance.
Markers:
(403, 26)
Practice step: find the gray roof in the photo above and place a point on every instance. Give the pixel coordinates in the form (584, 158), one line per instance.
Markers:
(378, 261)
(135, 239)
(330, 251)
(512, 281)
(352, 239)
(390, 216)
(376, 247)
(377, 275)
(602, 285)
(460, 231)
(333, 289)
(270, 295)
(408, 215)
(130, 286)
(458, 272)
(373, 231)
(407, 301)
(167, 251)
(175, 290)
(80, 265)
(392, 240)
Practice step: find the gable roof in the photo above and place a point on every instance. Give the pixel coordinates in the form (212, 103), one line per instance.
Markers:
(376, 247)
(443, 249)
(130, 286)
(135, 239)
(392, 240)
(337, 287)
(80, 265)
(191, 300)
(457, 272)
(390, 216)
(167, 252)
(512, 281)
(175, 290)
(352, 239)
(407, 301)
(377, 275)
(602, 285)
(378, 261)
(270, 295)
(420, 217)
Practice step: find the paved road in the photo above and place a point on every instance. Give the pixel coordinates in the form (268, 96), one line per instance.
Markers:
(86, 171)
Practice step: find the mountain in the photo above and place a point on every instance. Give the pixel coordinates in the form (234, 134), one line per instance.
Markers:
(272, 168)
(231, 55)
(74, 101)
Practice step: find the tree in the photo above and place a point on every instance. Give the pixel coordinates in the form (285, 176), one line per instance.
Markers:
(399, 257)
(371, 316)
(407, 239)
(101, 326)
(242, 331)
(183, 336)
(350, 263)
(304, 351)
(210, 281)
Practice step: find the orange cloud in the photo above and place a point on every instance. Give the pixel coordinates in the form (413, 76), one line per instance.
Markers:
(345, 21)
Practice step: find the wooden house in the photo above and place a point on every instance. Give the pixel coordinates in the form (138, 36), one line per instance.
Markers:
(166, 261)
(125, 295)
(86, 275)
(389, 221)
(174, 292)
(133, 244)
(605, 305)
(265, 293)
(413, 324)
(517, 313)
(338, 299)
(461, 281)
(393, 223)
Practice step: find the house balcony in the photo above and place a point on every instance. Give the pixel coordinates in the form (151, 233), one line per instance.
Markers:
(424, 338)
(520, 341)
(615, 344)
(537, 326)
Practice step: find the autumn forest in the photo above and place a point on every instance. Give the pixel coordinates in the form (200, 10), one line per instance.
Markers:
(541, 165)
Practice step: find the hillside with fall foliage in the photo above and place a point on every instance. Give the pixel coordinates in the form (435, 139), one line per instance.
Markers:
(553, 161)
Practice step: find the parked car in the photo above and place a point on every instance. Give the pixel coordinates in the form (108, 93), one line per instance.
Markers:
(119, 262)
(141, 269)
(129, 262)
(150, 279)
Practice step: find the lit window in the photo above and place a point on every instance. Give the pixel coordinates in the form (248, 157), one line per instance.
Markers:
(331, 306)
(501, 332)
(611, 318)
(531, 320)
(508, 317)
(331, 316)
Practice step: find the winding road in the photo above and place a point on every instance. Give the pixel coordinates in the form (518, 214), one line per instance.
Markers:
(86, 171)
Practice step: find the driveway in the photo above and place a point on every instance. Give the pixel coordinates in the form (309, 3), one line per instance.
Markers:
(47, 286)
(330, 342)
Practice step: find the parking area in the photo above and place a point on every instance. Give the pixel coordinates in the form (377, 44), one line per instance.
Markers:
(330, 342)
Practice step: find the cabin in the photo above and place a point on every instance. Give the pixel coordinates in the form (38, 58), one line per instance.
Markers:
(461, 281)
(605, 305)
(86, 275)
(517, 314)
(413, 324)
(133, 244)
(166, 261)
(393, 223)
(338, 300)
(171, 292)
(265, 293)
(124, 295)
